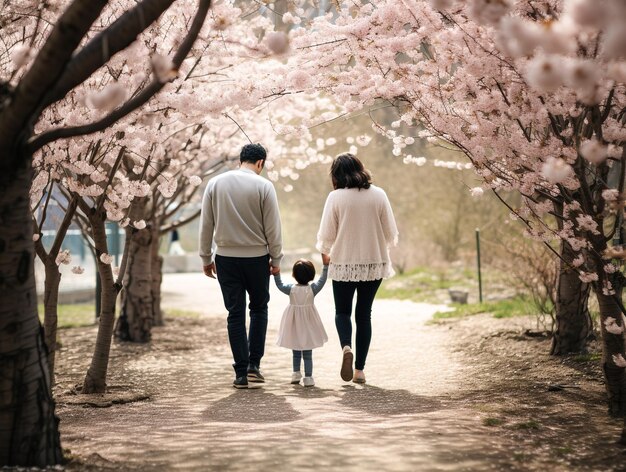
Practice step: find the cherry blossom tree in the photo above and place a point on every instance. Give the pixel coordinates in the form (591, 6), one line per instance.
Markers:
(40, 75)
(531, 92)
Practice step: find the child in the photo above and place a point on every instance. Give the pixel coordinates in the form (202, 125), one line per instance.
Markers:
(301, 328)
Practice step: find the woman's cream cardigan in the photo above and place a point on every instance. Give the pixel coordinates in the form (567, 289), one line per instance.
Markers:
(356, 230)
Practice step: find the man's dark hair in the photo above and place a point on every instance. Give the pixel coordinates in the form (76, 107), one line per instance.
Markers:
(303, 271)
(252, 153)
(347, 171)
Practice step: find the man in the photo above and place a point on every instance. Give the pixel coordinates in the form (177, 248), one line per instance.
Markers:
(240, 213)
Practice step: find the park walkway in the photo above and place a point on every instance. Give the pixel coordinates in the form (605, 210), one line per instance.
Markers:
(403, 419)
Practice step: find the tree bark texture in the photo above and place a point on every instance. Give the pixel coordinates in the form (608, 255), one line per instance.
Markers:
(95, 380)
(157, 278)
(52, 282)
(136, 315)
(613, 344)
(28, 425)
(573, 320)
(50, 307)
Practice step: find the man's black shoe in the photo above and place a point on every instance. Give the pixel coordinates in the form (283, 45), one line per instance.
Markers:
(254, 374)
(242, 382)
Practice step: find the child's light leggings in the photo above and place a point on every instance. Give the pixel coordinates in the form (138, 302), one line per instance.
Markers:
(308, 362)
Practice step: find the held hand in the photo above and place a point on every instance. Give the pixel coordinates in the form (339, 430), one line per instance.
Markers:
(325, 259)
(209, 270)
(274, 270)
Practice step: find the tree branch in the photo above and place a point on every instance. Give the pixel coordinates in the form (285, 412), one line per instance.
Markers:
(135, 102)
(105, 45)
(48, 66)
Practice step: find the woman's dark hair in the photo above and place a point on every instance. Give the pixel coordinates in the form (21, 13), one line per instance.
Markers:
(303, 271)
(348, 172)
(252, 153)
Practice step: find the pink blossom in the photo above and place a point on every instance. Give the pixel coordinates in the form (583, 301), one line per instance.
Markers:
(587, 13)
(578, 261)
(163, 68)
(108, 98)
(583, 74)
(277, 42)
(577, 243)
(168, 187)
(195, 180)
(477, 192)
(36, 237)
(488, 11)
(441, 4)
(299, 79)
(594, 151)
(519, 37)
(363, 140)
(20, 55)
(106, 258)
(141, 224)
(544, 73)
(610, 195)
(614, 44)
(78, 270)
(289, 18)
(64, 257)
(556, 170)
(588, 277)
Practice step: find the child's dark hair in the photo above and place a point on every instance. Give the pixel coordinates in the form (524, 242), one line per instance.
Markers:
(347, 171)
(303, 271)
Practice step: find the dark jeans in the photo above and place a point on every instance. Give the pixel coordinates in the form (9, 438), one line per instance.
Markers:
(308, 361)
(236, 276)
(365, 293)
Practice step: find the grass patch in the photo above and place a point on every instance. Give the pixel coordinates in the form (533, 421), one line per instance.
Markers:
(493, 421)
(83, 314)
(420, 284)
(530, 425)
(508, 308)
(431, 284)
(176, 313)
(589, 357)
(563, 451)
(521, 457)
(74, 315)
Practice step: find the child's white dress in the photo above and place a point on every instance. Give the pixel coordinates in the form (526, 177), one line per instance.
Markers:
(301, 328)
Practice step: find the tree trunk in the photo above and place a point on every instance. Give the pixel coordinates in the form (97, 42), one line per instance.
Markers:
(613, 344)
(573, 320)
(50, 307)
(157, 279)
(136, 316)
(28, 425)
(95, 380)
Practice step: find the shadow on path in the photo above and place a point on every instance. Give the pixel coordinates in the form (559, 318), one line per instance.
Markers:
(251, 406)
(311, 392)
(377, 401)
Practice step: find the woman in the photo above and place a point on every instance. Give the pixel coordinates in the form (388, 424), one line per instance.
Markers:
(356, 230)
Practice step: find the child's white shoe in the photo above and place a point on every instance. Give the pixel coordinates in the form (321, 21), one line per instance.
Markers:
(308, 382)
(295, 378)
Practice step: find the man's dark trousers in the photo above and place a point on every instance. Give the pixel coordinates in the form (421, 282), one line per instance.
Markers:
(236, 276)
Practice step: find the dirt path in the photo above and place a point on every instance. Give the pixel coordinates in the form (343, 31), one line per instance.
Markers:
(464, 395)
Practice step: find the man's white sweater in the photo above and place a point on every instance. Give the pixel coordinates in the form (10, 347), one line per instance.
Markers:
(240, 213)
